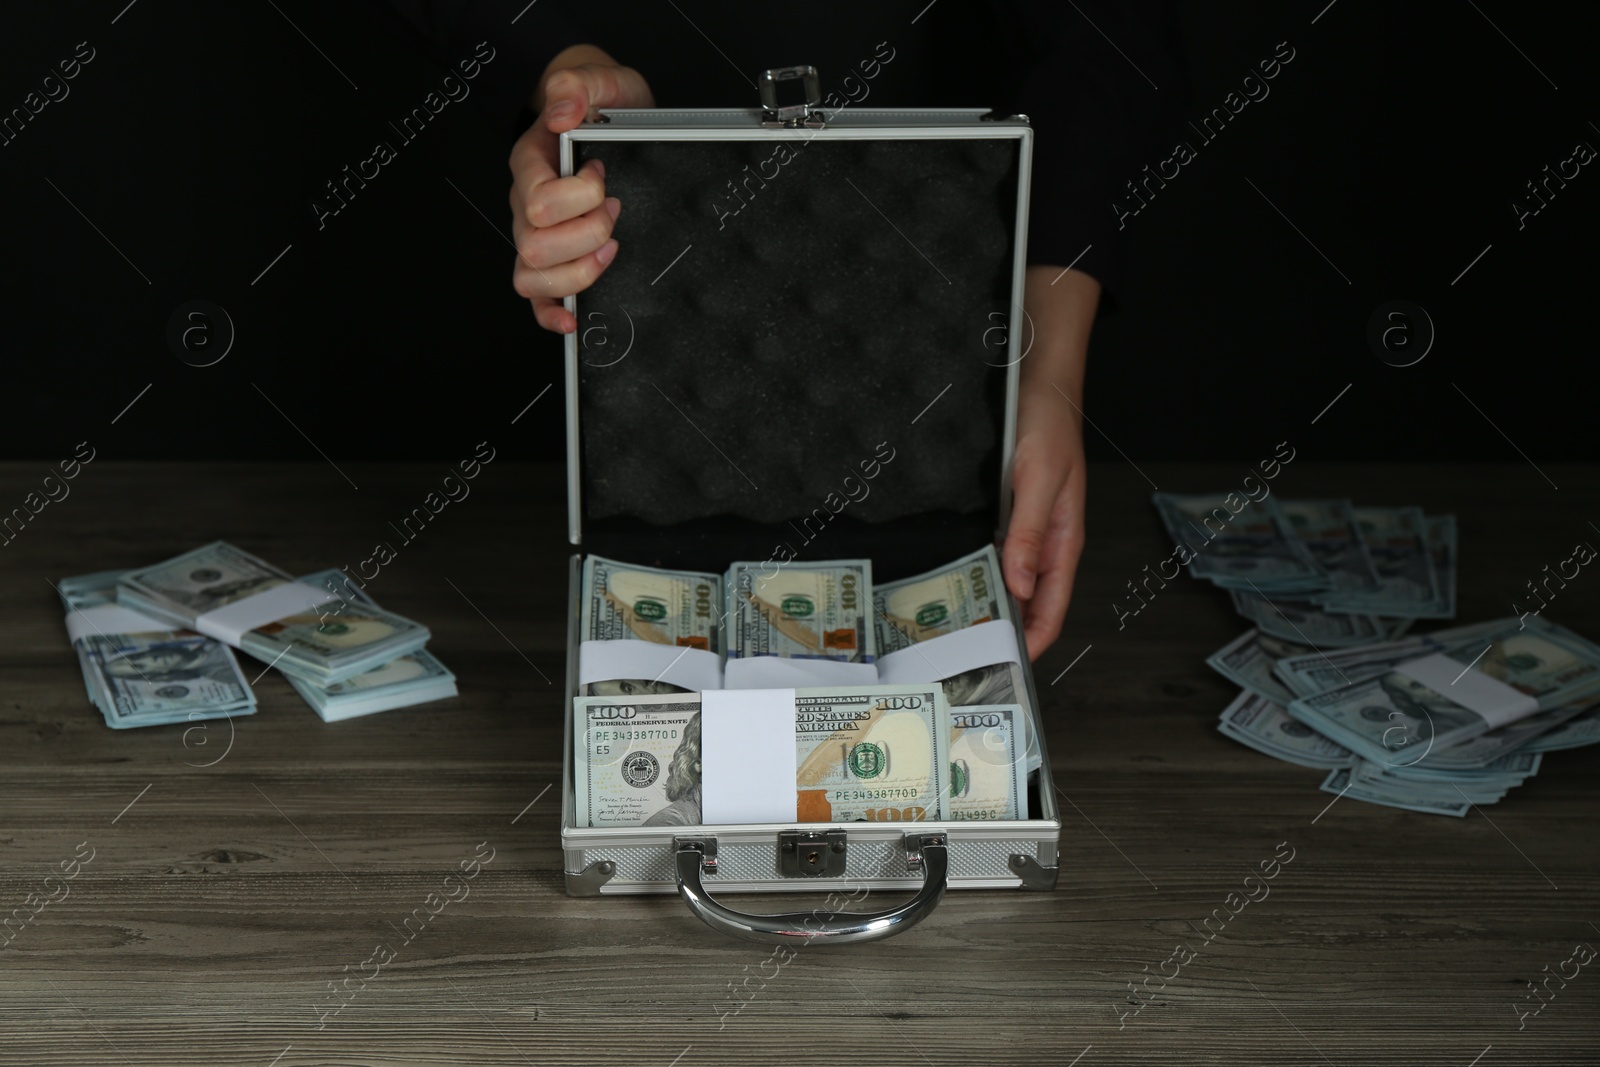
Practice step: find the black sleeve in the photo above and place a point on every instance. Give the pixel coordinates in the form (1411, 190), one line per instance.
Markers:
(525, 37)
(1097, 80)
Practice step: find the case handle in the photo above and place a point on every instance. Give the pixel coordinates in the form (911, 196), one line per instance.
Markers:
(927, 851)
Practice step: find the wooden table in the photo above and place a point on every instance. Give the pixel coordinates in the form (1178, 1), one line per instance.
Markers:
(236, 875)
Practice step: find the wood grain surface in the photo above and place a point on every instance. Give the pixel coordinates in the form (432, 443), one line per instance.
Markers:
(239, 870)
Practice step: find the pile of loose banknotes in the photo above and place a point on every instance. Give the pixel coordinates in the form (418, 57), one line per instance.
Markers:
(956, 749)
(144, 663)
(1321, 572)
(1331, 589)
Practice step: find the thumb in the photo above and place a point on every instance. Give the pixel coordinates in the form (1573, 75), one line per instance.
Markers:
(571, 93)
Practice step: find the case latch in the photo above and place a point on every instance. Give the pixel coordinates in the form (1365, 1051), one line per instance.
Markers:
(810, 853)
(805, 112)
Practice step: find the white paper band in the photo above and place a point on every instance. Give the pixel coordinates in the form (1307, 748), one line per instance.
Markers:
(108, 619)
(231, 622)
(694, 669)
(778, 672)
(747, 756)
(952, 653)
(1491, 698)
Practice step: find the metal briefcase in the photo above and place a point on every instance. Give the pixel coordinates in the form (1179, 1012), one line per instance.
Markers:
(800, 287)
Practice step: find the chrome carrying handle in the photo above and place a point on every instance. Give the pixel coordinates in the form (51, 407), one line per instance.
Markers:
(929, 852)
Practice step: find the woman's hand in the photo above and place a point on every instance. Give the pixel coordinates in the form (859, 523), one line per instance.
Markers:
(1048, 478)
(562, 226)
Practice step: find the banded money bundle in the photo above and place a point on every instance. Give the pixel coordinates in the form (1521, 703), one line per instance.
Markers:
(797, 610)
(801, 610)
(629, 602)
(813, 611)
(140, 671)
(1392, 734)
(959, 595)
(877, 753)
(310, 633)
(145, 661)
(406, 681)
(1321, 572)
(817, 610)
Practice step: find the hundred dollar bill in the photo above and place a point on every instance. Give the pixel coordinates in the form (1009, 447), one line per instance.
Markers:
(1328, 530)
(1514, 738)
(1506, 771)
(1341, 782)
(872, 753)
(862, 753)
(637, 760)
(1579, 730)
(1477, 789)
(964, 593)
(89, 589)
(1399, 626)
(156, 674)
(92, 591)
(149, 679)
(1374, 776)
(1395, 720)
(322, 643)
(1319, 671)
(1298, 620)
(1442, 550)
(1266, 727)
(341, 585)
(629, 602)
(1248, 660)
(1397, 542)
(802, 610)
(418, 678)
(988, 762)
(1234, 547)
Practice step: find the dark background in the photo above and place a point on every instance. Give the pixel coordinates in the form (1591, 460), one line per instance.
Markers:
(199, 135)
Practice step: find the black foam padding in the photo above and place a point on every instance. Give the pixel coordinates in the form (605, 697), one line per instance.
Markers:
(788, 319)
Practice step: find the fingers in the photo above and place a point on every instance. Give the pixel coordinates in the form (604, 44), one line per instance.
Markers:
(1043, 614)
(1034, 497)
(563, 279)
(534, 160)
(550, 314)
(1057, 566)
(562, 231)
(562, 225)
(553, 200)
(545, 248)
(1040, 636)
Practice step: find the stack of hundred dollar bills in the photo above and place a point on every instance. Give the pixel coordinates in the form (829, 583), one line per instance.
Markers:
(140, 671)
(963, 754)
(1316, 572)
(828, 609)
(403, 682)
(868, 753)
(1387, 738)
(341, 652)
